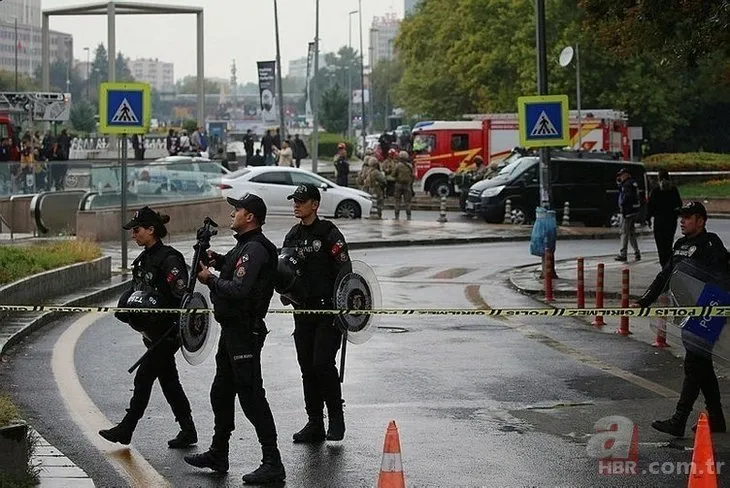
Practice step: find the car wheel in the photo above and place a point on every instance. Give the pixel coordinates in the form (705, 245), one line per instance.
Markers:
(348, 210)
(440, 188)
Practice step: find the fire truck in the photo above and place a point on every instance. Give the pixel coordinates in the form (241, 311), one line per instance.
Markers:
(23, 109)
(442, 148)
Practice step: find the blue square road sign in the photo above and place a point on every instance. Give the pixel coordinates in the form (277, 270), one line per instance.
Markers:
(543, 121)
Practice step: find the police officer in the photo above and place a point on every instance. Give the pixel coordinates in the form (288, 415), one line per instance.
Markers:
(159, 280)
(403, 174)
(707, 250)
(241, 297)
(322, 254)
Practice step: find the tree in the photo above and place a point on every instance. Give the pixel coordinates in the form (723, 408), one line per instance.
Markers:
(333, 110)
(121, 68)
(385, 78)
(25, 83)
(58, 74)
(82, 116)
(189, 85)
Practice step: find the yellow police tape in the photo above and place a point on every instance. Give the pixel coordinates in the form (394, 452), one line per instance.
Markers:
(706, 311)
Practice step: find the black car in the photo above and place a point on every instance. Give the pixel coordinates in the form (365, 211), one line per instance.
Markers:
(589, 185)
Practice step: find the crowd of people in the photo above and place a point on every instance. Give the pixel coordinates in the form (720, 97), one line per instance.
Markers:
(40, 165)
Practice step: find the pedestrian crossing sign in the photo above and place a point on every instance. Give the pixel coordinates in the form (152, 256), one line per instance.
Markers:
(544, 121)
(124, 108)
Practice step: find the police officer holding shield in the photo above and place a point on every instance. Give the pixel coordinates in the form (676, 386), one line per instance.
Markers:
(159, 277)
(241, 296)
(322, 254)
(707, 250)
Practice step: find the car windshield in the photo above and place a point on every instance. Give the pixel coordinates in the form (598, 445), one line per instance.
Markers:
(517, 167)
(423, 143)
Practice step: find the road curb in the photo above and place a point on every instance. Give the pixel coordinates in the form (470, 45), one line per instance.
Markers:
(96, 296)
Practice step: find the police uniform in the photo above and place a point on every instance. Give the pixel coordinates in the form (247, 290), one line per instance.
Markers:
(159, 279)
(322, 254)
(241, 296)
(708, 251)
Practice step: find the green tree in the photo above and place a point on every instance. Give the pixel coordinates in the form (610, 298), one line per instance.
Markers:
(25, 83)
(82, 116)
(386, 78)
(333, 110)
(189, 85)
(190, 125)
(59, 73)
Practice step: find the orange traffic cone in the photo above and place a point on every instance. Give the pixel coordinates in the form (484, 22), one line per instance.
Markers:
(703, 473)
(391, 469)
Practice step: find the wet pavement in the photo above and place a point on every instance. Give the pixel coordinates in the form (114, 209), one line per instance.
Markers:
(478, 401)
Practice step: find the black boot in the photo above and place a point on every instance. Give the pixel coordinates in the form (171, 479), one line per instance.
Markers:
(312, 432)
(270, 471)
(215, 459)
(336, 429)
(187, 435)
(121, 433)
(674, 426)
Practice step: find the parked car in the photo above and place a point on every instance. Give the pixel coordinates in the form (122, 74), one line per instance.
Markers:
(589, 185)
(176, 174)
(274, 183)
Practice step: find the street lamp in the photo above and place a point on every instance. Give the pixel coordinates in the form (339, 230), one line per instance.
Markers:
(349, 74)
(278, 71)
(566, 56)
(315, 93)
(387, 79)
(88, 65)
(362, 80)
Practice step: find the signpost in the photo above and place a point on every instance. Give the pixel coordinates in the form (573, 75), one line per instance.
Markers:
(544, 122)
(124, 108)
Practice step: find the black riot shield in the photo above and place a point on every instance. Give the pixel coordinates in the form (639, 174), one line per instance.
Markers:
(197, 333)
(357, 290)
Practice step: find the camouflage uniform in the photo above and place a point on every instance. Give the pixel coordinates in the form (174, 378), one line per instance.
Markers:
(377, 183)
(362, 177)
(403, 174)
(388, 167)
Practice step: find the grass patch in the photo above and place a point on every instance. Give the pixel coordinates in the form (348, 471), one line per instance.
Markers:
(699, 161)
(18, 262)
(8, 411)
(708, 189)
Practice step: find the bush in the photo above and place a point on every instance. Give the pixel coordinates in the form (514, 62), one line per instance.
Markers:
(17, 262)
(328, 145)
(699, 161)
(8, 411)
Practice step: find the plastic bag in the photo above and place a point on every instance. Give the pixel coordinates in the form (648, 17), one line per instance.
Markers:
(545, 228)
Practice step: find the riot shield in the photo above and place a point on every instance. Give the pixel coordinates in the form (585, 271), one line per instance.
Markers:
(357, 290)
(197, 330)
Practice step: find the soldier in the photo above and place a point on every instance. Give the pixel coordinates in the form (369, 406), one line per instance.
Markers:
(159, 280)
(241, 297)
(377, 184)
(362, 176)
(322, 253)
(388, 167)
(403, 174)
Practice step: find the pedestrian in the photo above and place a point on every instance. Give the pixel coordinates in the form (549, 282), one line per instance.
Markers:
(285, 155)
(248, 141)
(159, 277)
(322, 254)
(629, 206)
(403, 174)
(241, 297)
(300, 150)
(267, 144)
(706, 250)
(663, 207)
(342, 166)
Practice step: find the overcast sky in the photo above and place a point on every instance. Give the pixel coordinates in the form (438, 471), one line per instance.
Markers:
(234, 29)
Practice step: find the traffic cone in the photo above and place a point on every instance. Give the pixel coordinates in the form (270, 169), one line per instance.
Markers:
(391, 469)
(703, 472)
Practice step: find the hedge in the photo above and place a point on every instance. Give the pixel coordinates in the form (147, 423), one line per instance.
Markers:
(17, 262)
(328, 145)
(699, 161)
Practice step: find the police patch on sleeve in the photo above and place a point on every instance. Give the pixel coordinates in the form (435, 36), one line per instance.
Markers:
(180, 284)
(344, 257)
(174, 272)
(337, 247)
(240, 272)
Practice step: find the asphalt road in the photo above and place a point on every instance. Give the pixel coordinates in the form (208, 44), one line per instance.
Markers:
(478, 401)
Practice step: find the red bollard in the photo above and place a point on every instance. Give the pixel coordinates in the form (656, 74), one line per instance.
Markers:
(661, 325)
(548, 274)
(598, 322)
(624, 322)
(581, 292)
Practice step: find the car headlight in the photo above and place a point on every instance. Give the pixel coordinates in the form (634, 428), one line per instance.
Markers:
(492, 192)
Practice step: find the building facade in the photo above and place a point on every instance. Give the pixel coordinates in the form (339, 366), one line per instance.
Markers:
(298, 68)
(160, 75)
(383, 32)
(29, 47)
(28, 12)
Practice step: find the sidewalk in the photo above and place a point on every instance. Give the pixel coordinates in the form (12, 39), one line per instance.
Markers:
(642, 273)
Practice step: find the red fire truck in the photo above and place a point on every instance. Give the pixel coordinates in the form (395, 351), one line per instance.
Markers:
(442, 148)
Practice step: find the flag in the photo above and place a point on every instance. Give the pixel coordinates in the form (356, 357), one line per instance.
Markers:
(267, 89)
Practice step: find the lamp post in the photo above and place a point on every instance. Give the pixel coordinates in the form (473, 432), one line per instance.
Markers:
(315, 93)
(349, 74)
(387, 84)
(88, 65)
(278, 75)
(566, 56)
(362, 82)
